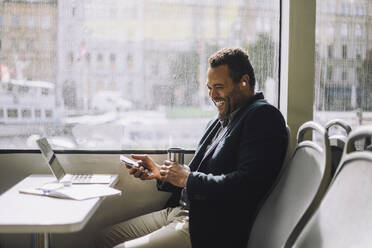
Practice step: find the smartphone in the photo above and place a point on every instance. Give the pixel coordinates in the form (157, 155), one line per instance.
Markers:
(131, 163)
(128, 161)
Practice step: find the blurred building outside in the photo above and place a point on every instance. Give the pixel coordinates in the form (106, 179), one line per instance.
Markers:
(138, 67)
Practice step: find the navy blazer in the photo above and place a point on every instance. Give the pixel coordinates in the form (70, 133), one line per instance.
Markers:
(228, 183)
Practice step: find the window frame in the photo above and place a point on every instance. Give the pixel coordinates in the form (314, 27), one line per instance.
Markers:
(298, 23)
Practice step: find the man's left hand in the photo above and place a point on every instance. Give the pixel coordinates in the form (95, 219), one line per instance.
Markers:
(174, 173)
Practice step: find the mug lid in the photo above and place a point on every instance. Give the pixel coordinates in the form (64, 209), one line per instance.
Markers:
(175, 149)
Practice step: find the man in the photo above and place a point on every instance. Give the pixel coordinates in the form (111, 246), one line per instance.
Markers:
(237, 160)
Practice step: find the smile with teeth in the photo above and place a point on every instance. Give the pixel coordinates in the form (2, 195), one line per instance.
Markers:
(219, 103)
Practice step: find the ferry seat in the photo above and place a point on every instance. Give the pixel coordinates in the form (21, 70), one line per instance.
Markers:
(337, 142)
(344, 217)
(297, 191)
(369, 148)
(288, 151)
(368, 143)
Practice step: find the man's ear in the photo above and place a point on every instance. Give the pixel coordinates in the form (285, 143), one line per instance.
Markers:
(244, 82)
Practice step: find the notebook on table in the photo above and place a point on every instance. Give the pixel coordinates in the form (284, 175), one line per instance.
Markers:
(74, 191)
(62, 177)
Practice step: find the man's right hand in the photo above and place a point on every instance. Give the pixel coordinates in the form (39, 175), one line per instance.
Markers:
(146, 164)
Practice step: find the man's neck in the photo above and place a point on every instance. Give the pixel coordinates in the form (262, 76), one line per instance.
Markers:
(251, 94)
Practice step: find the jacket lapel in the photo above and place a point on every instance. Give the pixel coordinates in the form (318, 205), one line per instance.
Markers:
(207, 138)
(215, 143)
(213, 146)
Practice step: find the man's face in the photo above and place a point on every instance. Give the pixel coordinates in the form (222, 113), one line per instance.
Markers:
(225, 94)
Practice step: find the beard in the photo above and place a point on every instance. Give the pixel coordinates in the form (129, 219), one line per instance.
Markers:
(231, 102)
(223, 115)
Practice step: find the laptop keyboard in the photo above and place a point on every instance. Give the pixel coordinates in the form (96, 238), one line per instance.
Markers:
(81, 177)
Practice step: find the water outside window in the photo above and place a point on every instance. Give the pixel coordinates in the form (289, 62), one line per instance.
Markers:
(124, 74)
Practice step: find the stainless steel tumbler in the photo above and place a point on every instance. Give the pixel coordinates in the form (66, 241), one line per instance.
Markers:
(176, 155)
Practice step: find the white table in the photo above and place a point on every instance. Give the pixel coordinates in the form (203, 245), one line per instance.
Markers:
(23, 213)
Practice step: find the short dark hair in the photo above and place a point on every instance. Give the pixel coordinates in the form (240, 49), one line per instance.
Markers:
(237, 61)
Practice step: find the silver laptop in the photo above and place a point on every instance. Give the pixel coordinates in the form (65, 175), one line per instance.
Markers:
(58, 171)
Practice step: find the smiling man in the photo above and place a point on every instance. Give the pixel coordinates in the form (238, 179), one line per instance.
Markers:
(215, 198)
(226, 89)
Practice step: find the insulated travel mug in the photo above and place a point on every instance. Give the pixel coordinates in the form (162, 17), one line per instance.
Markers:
(176, 155)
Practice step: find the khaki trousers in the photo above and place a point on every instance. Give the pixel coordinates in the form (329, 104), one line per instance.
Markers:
(167, 228)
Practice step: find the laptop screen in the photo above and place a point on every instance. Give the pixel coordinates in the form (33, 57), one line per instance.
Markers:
(50, 157)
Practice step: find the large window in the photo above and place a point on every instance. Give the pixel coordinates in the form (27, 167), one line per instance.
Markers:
(343, 80)
(125, 74)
